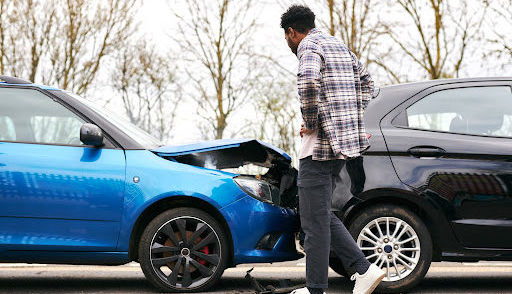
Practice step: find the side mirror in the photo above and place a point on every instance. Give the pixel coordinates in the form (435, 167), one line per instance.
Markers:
(91, 135)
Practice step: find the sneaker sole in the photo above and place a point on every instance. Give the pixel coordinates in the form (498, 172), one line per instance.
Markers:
(375, 284)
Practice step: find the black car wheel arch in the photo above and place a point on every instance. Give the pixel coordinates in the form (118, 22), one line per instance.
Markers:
(432, 216)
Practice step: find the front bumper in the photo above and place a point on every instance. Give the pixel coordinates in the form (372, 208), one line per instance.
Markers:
(250, 220)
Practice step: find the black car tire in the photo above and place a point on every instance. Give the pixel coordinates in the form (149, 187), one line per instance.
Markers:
(373, 213)
(158, 229)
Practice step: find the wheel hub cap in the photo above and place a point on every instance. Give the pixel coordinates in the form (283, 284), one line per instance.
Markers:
(391, 244)
(185, 252)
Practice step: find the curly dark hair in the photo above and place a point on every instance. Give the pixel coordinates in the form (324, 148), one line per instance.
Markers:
(298, 17)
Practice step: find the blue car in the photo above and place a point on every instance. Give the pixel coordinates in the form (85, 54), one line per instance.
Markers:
(80, 186)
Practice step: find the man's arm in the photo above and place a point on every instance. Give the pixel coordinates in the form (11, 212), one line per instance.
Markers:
(308, 82)
(367, 85)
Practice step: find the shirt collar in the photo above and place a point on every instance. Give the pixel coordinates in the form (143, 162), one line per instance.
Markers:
(313, 30)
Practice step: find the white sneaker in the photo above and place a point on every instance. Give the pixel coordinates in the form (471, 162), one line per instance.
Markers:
(301, 291)
(367, 282)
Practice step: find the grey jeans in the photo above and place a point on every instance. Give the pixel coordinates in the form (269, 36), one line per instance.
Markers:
(323, 230)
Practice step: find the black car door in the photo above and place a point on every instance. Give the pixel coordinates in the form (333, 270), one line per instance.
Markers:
(453, 144)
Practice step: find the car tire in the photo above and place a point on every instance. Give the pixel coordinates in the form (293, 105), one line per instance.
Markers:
(172, 263)
(416, 253)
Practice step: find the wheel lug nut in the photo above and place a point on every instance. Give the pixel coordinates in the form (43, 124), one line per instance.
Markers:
(395, 247)
(386, 240)
(379, 250)
(389, 256)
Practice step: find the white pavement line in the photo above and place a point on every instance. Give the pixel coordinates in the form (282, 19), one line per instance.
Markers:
(488, 264)
(134, 267)
(464, 269)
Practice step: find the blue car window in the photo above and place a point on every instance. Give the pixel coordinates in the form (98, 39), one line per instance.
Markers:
(37, 118)
(485, 111)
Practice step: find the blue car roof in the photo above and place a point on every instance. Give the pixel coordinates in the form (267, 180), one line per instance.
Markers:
(215, 145)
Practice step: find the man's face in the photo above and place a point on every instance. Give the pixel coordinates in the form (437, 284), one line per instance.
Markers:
(291, 38)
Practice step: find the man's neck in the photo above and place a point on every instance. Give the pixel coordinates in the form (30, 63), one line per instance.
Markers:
(304, 35)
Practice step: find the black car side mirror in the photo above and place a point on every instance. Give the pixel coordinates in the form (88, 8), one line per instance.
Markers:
(91, 135)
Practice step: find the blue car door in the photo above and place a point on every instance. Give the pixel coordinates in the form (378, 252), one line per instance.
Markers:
(55, 193)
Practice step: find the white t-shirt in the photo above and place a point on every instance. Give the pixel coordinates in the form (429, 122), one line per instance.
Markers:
(308, 144)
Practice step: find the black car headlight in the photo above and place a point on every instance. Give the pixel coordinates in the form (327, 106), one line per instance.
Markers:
(260, 190)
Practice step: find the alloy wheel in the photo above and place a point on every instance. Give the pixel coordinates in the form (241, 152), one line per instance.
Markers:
(185, 252)
(391, 244)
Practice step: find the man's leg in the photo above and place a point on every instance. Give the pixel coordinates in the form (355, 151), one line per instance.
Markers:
(315, 189)
(342, 242)
(346, 248)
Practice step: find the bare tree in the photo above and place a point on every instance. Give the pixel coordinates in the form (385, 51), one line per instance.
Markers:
(25, 29)
(358, 25)
(502, 26)
(148, 88)
(215, 40)
(438, 37)
(62, 42)
(278, 119)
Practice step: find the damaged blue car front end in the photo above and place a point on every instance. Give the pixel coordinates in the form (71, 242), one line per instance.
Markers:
(264, 222)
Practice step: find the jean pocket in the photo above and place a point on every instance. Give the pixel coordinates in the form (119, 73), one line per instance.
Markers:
(312, 173)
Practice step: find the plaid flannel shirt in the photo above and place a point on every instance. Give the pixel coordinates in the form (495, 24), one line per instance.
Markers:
(334, 90)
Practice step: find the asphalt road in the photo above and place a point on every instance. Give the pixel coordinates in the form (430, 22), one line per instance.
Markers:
(442, 278)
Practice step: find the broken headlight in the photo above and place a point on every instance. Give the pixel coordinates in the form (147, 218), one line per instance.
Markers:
(260, 190)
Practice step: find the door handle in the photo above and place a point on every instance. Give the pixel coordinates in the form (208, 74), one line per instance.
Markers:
(426, 151)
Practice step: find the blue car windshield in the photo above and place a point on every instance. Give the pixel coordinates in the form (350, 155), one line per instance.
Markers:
(139, 135)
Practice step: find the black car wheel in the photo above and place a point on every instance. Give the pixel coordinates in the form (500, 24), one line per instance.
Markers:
(183, 250)
(396, 240)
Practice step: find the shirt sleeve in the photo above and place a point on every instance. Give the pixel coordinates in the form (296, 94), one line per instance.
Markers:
(308, 82)
(367, 84)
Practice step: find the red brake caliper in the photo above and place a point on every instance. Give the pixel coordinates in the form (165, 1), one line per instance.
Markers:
(205, 250)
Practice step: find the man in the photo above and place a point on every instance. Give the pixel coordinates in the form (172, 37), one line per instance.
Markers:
(334, 89)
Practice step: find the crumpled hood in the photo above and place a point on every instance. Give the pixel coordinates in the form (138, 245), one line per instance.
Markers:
(226, 153)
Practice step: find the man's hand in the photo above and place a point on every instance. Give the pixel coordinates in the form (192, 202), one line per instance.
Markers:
(304, 131)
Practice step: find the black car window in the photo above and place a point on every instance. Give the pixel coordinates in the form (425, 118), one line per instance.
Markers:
(32, 117)
(475, 110)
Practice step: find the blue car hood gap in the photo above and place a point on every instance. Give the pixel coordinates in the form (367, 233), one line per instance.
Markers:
(226, 153)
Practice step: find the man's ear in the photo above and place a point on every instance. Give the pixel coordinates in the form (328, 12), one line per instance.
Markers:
(291, 32)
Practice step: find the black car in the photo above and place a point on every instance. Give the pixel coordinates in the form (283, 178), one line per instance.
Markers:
(436, 183)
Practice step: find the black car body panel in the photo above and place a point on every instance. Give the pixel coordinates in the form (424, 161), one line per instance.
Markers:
(459, 184)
